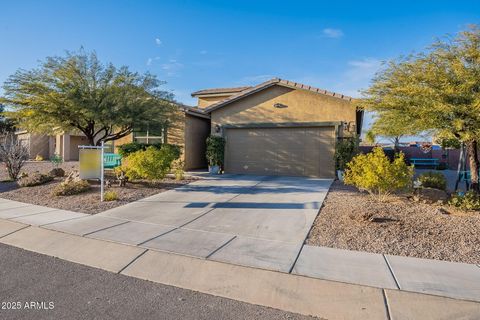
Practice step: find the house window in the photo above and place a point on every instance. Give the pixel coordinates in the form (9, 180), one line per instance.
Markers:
(150, 134)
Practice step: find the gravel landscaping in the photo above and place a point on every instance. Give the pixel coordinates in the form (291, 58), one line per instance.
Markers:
(351, 220)
(87, 202)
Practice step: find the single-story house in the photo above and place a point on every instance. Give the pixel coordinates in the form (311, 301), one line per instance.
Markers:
(66, 144)
(278, 127)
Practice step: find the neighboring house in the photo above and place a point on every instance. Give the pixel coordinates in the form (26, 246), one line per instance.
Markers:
(278, 127)
(66, 144)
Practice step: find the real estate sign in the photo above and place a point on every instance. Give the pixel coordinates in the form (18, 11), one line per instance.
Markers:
(90, 163)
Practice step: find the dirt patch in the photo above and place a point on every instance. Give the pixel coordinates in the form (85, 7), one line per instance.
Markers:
(351, 220)
(87, 202)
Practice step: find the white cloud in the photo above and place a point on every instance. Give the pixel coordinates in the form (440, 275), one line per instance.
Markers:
(158, 41)
(332, 33)
(362, 71)
(203, 52)
(150, 60)
(172, 67)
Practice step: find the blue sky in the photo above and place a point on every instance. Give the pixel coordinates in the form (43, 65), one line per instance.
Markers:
(335, 45)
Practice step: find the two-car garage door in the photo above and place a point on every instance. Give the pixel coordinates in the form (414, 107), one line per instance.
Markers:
(293, 151)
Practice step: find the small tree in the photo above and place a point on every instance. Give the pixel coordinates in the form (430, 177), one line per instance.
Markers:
(215, 151)
(345, 150)
(436, 91)
(13, 154)
(6, 125)
(78, 92)
(374, 173)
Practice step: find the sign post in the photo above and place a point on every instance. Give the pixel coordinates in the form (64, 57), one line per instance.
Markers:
(91, 164)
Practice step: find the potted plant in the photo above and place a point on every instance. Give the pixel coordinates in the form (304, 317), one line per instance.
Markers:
(345, 150)
(215, 153)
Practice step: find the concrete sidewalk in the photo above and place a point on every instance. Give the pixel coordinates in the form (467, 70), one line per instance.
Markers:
(309, 296)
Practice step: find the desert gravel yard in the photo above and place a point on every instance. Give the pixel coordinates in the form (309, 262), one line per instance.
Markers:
(87, 202)
(351, 220)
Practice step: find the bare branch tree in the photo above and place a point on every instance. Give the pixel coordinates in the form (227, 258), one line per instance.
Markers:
(13, 154)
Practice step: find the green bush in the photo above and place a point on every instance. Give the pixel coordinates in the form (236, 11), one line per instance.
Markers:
(345, 150)
(215, 150)
(34, 179)
(433, 179)
(129, 148)
(178, 166)
(110, 196)
(71, 188)
(374, 173)
(56, 160)
(150, 164)
(468, 201)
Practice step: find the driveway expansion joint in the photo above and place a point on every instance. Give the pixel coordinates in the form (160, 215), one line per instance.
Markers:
(391, 271)
(387, 306)
(133, 261)
(116, 225)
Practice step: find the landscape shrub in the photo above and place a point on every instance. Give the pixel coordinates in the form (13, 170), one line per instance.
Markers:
(56, 160)
(34, 179)
(468, 201)
(374, 173)
(129, 148)
(150, 164)
(71, 187)
(433, 179)
(39, 157)
(178, 166)
(57, 172)
(110, 196)
(215, 150)
(345, 150)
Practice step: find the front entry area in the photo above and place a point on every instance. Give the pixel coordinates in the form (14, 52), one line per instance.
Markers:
(288, 151)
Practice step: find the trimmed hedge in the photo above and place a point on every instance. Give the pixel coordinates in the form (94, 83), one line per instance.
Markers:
(34, 179)
(129, 148)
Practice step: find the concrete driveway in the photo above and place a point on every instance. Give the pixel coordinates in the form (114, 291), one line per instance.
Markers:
(259, 221)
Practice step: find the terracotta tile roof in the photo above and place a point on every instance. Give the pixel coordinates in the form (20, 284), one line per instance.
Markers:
(195, 111)
(272, 82)
(219, 91)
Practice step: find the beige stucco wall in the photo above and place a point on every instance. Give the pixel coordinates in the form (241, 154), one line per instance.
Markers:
(37, 144)
(196, 133)
(303, 106)
(204, 102)
(76, 141)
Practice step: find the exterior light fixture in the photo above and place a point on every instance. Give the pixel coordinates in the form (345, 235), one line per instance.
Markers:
(217, 128)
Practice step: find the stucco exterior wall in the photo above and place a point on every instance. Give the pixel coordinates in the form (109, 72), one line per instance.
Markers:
(204, 102)
(127, 139)
(196, 132)
(302, 106)
(39, 145)
(76, 141)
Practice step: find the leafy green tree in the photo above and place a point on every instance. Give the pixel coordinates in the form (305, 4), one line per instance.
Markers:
(436, 91)
(6, 124)
(392, 126)
(78, 92)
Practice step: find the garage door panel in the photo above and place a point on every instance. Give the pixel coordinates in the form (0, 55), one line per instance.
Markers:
(294, 151)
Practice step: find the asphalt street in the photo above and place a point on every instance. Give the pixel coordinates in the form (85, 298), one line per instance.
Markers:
(35, 286)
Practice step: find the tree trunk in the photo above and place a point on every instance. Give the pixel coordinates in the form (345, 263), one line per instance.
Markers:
(396, 147)
(91, 140)
(473, 161)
